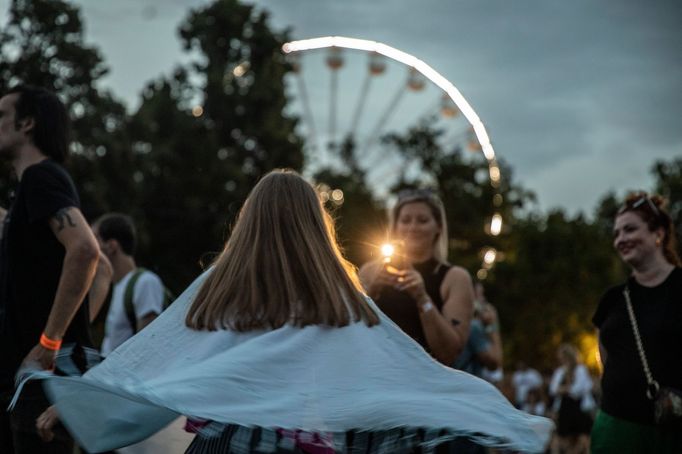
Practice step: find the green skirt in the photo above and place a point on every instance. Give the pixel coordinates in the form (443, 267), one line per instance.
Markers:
(612, 435)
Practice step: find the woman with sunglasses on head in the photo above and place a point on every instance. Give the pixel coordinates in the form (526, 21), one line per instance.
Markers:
(640, 335)
(429, 299)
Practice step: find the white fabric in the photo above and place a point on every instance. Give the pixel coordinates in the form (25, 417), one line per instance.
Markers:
(524, 381)
(148, 296)
(581, 387)
(316, 378)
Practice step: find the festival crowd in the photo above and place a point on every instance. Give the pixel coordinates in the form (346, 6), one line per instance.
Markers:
(282, 346)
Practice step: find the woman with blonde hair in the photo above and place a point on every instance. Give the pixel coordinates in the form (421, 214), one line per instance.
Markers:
(276, 349)
(427, 297)
(640, 336)
(571, 388)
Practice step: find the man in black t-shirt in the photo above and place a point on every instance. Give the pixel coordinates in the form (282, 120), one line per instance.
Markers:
(48, 256)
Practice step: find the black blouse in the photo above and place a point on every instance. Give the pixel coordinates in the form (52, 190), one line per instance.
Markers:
(658, 311)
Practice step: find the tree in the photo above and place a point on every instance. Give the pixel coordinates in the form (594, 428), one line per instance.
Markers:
(43, 44)
(469, 199)
(669, 184)
(208, 132)
(548, 287)
(360, 218)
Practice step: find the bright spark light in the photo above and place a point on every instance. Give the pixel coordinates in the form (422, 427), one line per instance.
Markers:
(489, 257)
(494, 173)
(240, 69)
(337, 195)
(496, 224)
(409, 60)
(387, 250)
(197, 111)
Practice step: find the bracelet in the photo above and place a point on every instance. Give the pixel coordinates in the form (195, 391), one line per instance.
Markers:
(50, 344)
(426, 306)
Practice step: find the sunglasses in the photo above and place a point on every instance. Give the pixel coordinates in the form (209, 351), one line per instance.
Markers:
(429, 194)
(638, 203)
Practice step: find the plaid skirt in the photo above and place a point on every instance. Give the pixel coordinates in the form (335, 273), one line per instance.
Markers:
(218, 438)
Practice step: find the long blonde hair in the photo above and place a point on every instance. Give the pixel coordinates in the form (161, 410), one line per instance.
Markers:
(281, 265)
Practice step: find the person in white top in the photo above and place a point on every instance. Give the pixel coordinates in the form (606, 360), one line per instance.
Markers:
(524, 379)
(571, 388)
(117, 238)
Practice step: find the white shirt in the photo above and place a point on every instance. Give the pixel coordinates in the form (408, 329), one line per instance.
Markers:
(148, 296)
(581, 387)
(524, 381)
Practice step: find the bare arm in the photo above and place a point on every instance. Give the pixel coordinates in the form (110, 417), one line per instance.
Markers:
(146, 320)
(100, 285)
(78, 269)
(374, 277)
(602, 352)
(447, 332)
(492, 357)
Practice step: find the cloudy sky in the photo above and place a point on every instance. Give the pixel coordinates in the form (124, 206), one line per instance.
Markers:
(580, 97)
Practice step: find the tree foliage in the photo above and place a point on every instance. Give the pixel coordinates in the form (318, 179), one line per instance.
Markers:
(184, 162)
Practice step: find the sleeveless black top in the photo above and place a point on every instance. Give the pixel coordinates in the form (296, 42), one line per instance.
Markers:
(402, 308)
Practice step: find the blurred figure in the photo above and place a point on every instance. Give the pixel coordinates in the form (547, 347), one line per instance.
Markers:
(536, 402)
(644, 238)
(48, 257)
(484, 345)
(524, 379)
(138, 294)
(428, 298)
(571, 388)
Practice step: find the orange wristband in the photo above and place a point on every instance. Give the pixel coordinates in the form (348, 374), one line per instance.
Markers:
(49, 343)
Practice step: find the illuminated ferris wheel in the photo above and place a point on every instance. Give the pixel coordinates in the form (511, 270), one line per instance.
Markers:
(333, 109)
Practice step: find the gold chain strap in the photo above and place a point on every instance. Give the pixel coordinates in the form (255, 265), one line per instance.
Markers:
(653, 386)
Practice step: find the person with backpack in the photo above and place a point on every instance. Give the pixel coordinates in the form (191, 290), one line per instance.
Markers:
(138, 295)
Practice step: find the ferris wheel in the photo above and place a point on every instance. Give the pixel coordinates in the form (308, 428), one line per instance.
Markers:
(334, 109)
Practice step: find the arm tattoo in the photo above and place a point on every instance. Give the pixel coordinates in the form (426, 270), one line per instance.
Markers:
(62, 216)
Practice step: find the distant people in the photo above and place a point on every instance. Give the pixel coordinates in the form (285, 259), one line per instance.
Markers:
(428, 298)
(48, 257)
(138, 295)
(484, 345)
(277, 348)
(571, 388)
(536, 403)
(644, 238)
(524, 379)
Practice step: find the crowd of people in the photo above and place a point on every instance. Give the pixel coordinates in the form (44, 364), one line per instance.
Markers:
(281, 346)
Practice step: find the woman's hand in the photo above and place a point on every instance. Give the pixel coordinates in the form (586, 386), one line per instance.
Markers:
(382, 278)
(411, 282)
(45, 422)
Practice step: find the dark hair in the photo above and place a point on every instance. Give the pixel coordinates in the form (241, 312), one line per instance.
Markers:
(50, 131)
(651, 209)
(118, 227)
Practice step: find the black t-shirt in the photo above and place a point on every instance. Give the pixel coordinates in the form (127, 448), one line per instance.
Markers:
(658, 311)
(402, 309)
(31, 260)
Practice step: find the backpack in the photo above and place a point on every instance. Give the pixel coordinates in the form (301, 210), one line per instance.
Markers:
(168, 298)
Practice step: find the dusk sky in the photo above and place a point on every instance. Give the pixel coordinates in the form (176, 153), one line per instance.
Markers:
(579, 97)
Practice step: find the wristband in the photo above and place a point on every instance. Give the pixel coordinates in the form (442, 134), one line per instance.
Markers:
(50, 344)
(426, 306)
